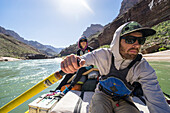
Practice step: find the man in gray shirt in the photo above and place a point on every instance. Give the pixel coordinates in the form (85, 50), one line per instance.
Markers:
(120, 66)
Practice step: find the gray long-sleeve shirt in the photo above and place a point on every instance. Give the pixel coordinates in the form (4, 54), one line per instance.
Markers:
(141, 72)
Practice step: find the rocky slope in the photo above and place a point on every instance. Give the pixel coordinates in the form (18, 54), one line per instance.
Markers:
(143, 12)
(146, 12)
(10, 47)
(126, 5)
(43, 48)
(93, 29)
(160, 41)
(57, 50)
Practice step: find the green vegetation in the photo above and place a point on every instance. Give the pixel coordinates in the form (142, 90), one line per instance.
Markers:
(105, 46)
(163, 74)
(162, 36)
(162, 29)
(162, 49)
(10, 47)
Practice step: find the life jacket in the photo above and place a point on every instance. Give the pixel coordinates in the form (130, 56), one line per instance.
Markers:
(115, 83)
(84, 52)
(80, 52)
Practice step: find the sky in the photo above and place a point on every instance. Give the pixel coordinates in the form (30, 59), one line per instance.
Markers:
(59, 23)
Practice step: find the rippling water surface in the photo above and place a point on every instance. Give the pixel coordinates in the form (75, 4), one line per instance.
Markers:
(18, 76)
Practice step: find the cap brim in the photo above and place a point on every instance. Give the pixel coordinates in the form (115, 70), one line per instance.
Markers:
(144, 30)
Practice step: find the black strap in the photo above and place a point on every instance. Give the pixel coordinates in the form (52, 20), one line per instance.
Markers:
(82, 95)
(166, 94)
(138, 58)
(138, 92)
(77, 77)
(142, 99)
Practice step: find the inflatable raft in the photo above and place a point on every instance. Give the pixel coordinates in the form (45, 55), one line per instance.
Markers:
(73, 101)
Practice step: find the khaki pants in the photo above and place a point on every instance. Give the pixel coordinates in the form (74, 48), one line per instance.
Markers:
(102, 103)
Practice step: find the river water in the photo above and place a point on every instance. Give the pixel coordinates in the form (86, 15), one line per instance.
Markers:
(18, 76)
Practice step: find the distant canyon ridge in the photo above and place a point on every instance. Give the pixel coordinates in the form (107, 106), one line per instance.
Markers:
(44, 49)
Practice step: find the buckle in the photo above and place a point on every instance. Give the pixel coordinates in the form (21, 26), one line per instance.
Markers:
(116, 98)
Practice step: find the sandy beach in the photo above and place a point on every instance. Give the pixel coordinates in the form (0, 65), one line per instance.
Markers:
(158, 56)
(8, 59)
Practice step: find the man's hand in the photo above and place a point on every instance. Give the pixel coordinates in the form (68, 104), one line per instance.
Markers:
(70, 64)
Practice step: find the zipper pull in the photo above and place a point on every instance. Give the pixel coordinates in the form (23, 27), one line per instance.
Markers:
(117, 104)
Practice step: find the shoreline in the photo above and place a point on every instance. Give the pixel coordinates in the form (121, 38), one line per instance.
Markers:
(9, 59)
(158, 56)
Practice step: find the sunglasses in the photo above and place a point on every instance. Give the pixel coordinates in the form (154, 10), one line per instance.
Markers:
(83, 40)
(132, 39)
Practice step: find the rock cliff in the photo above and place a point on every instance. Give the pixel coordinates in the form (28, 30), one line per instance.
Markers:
(146, 12)
(126, 5)
(93, 29)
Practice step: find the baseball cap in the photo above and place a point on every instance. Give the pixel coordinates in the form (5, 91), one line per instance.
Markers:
(136, 27)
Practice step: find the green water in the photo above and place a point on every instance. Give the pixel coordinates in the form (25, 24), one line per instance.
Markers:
(163, 73)
(18, 76)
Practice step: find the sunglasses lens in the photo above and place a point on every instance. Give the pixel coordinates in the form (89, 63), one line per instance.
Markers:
(82, 40)
(130, 40)
(141, 41)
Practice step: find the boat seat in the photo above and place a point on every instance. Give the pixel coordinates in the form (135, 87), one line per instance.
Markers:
(72, 103)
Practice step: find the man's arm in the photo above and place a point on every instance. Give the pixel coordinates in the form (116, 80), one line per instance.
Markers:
(155, 99)
(70, 64)
(100, 57)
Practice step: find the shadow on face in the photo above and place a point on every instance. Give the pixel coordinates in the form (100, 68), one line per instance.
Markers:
(83, 44)
(130, 51)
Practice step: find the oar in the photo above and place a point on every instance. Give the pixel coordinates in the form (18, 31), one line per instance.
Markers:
(77, 77)
(32, 91)
(85, 73)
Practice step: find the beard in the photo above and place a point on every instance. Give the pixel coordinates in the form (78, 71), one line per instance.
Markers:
(126, 55)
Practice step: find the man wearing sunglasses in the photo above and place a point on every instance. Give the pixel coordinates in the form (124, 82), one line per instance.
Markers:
(120, 68)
